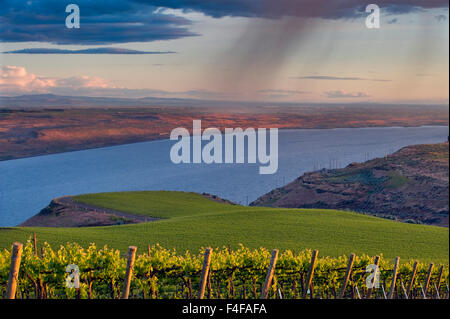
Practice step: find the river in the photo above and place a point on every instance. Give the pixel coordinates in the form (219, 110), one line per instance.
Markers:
(27, 185)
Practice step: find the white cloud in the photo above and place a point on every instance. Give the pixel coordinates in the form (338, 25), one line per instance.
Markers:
(17, 80)
(343, 94)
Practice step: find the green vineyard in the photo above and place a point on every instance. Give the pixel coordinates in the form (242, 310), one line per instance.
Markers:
(158, 273)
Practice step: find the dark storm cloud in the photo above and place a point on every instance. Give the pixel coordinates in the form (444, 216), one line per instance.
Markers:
(85, 51)
(119, 21)
(337, 78)
(102, 22)
(298, 8)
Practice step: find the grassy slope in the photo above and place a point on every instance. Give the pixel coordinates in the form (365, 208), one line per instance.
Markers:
(191, 221)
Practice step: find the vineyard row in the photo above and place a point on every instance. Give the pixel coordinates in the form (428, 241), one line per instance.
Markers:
(91, 273)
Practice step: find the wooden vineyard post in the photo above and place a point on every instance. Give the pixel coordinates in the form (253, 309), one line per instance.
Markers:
(439, 279)
(351, 260)
(404, 291)
(394, 278)
(149, 249)
(438, 295)
(14, 270)
(427, 282)
(129, 272)
(269, 276)
(310, 273)
(384, 291)
(411, 281)
(376, 262)
(35, 244)
(205, 272)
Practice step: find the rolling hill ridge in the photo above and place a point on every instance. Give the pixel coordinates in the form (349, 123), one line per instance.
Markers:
(411, 185)
(189, 221)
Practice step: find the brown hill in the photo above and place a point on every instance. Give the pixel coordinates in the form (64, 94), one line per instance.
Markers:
(411, 185)
(64, 212)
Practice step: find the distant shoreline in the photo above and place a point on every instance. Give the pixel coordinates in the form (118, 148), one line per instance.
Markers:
(47, 131)
(166, 137)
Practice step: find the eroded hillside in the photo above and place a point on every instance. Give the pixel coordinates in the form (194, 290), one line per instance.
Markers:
(411, 185)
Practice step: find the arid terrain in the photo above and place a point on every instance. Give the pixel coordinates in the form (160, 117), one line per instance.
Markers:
(411, 185)
(31, 131)
(64, 212)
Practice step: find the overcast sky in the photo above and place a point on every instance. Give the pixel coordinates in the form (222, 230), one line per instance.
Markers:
(271, 50)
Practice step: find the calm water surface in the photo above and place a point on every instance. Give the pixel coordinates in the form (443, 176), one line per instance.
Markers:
(28, 185)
